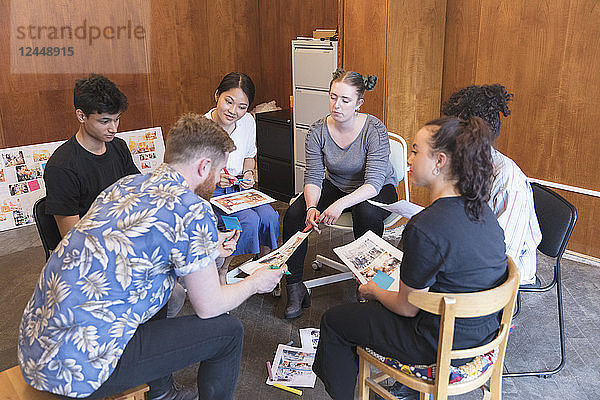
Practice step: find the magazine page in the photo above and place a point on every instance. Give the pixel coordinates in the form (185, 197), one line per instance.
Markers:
(293, 367)
(403, 208)
(309, 337)
(277, 257)
(371, 258)
(239, 201)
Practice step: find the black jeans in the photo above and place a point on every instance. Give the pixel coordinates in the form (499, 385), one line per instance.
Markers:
(365, 217)
(367, 324)
(162, 346)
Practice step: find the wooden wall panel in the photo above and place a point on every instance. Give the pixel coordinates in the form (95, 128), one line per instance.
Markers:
(365, 43)
(414, 64)
(460, 45)
(280, 23)
(193, 44)
(193, 48)
(547, 54)
(584, 239)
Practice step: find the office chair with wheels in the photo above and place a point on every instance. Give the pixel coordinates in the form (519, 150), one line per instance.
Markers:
(557, 218)
(46, 226)
(398, 158)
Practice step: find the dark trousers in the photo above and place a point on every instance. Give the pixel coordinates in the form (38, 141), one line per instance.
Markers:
(364, 324)
(161, 346)
(365, 217)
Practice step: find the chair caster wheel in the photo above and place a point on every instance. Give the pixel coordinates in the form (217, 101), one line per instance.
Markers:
(317, 266)
(277, 291)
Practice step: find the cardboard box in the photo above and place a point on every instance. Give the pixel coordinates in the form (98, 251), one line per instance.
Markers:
(323, 33)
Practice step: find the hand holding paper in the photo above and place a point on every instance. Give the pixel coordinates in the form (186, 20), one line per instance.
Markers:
(403, 208)
(227, 242)
(265, 279)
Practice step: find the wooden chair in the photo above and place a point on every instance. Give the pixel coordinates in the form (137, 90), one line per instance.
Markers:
(14, 387)
(450, 306)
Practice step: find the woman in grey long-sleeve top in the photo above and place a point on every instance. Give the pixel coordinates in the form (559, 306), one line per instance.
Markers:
(347, 163)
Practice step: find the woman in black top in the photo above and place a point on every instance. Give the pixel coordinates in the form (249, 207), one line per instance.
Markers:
(454, 245)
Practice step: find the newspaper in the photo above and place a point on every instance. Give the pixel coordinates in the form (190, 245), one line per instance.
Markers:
(277, 257)
(239, 201)
(403, 208)
(293, 367)
(309, 337)
(370, 257)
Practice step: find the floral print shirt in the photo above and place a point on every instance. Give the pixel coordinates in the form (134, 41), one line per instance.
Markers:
(112, 272)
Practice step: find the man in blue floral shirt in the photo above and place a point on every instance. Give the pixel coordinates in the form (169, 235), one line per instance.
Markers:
(88, 330)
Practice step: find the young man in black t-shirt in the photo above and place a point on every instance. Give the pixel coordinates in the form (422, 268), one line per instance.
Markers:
(93, 158)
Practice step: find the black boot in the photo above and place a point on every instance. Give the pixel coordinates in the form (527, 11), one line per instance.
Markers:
(297, 299)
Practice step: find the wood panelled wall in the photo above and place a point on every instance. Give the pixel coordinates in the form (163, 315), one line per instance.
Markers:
(193, 44)
(545, 52)
(402, 42)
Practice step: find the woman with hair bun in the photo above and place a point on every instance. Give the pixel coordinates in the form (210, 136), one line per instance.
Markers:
(260, 225)
(347, 163)
(454, 245)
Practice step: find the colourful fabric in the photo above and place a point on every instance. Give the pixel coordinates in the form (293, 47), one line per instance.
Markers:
(511, 199)
(464, 373)
(112, 272)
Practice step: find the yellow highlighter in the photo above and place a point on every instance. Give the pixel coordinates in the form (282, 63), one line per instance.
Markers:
(288, 389)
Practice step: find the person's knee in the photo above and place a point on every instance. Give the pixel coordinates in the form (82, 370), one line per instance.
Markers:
(368, 217)
(294, 215)
(233, 325)
(269, 216)
(366, 211)
(332, 318)
(251, 219)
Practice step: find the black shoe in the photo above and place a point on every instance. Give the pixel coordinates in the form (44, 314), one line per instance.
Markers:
(297, 299)
(177, 392)
(401, 392)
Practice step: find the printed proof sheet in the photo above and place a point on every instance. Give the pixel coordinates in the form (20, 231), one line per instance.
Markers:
(239, 201)
(277, 257)
(370, 255)
(293, 367)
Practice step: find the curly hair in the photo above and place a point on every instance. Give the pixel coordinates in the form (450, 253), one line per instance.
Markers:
(98, 94)
(485, 102)
(468, 145)
(358, 81)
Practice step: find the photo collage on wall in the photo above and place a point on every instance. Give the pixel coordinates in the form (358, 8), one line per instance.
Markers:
(21, 182)
(146, 146)
(22, 172)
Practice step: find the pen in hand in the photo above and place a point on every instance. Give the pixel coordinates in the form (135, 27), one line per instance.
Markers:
(227, 172)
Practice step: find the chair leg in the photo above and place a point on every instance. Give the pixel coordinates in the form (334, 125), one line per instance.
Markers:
(561, 330)
(486, 393)
(494, 391)
(364, 372)
(517, 305)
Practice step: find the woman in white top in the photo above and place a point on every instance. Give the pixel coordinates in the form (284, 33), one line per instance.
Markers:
(260, 225)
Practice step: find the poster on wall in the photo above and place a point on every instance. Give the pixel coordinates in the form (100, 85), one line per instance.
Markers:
(147, 147)
(22, 171)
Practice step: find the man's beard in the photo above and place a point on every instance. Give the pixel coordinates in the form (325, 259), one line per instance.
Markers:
(206, 188)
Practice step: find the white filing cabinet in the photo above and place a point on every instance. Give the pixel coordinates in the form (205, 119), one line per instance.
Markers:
(313, 62)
